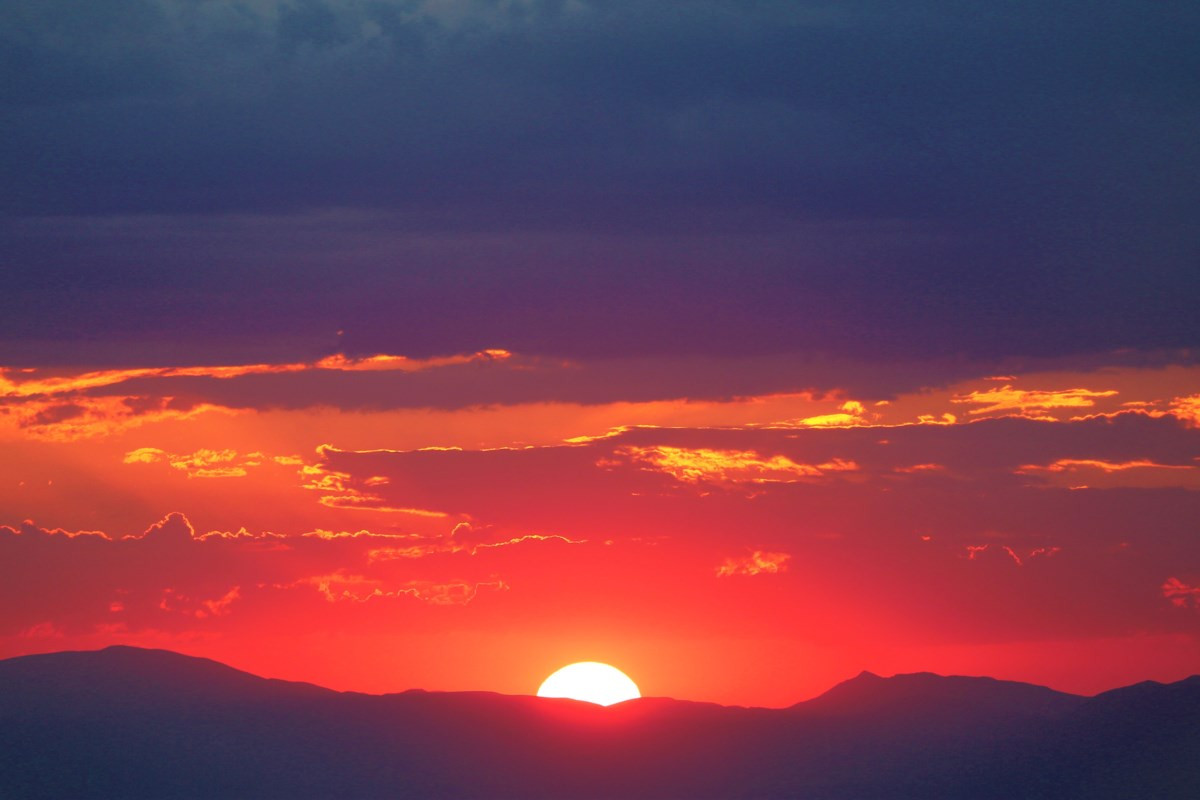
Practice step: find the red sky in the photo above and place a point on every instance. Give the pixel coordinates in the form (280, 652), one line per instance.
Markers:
(476, 521)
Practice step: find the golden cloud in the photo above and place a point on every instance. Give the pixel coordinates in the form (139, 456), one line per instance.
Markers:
(1029, 403)
(758, 562)
(697, 465)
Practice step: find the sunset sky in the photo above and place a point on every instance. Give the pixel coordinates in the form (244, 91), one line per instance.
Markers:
(392, 344)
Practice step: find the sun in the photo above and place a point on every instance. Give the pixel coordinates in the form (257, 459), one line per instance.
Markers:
(591, 682)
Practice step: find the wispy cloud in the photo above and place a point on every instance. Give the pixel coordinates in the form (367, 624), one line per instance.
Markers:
(206, 463)
(1095, 472)
(343, 586)
(31, 383)
(1028, 403)
(1181, 594)
(704, 465)
(759, 562)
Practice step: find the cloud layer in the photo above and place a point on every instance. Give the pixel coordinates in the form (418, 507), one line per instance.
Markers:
(864, 179)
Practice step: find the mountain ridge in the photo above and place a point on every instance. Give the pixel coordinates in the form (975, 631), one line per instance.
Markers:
(220, 667)
(154, 724)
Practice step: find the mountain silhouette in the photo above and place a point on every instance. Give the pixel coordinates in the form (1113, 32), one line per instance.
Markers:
(924, 694)
(132, 723)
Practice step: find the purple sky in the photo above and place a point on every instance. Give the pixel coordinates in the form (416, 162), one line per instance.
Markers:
(619, 179)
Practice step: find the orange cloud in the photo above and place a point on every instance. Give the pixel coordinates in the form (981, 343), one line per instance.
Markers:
(1099, 473)
(1187, 409)
(1028, 403)
(24, 383)
(58, 407)
(80, 417)
(851, 413)
(465, 538)
(338, 491)
(757, 563)
(379, 363)
(341, 586)
(370, 502)
(204, 463)
(320, 533)
(528, 537)
(411, 551)
(1064, 464)
(696, 465)
(173, 527)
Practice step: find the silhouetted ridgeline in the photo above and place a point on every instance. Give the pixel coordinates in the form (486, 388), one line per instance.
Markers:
(130, 723)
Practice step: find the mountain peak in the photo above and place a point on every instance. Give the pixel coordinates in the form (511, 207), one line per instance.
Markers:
(928, 695)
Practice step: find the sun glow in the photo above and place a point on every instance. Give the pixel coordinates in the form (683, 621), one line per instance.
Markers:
(591, 682)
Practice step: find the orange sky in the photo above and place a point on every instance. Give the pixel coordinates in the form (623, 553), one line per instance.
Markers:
(476, 521)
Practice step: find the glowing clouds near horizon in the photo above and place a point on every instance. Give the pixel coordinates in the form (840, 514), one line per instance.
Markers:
(591, 682)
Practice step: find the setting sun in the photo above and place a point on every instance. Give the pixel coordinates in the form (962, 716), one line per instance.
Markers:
(591, 682)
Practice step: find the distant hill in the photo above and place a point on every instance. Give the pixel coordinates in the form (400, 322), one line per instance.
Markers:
(130, 723)
(927, 696)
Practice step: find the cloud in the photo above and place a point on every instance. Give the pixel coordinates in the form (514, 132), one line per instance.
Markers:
(1018, 557)
(1065, 464)
(203, 463)
(176, 602)
(704, 465)
(1187, 409)
(342, 586)
(1181, 594)
(64, 420)
(1029, 403)
(674, 389)
(763, 173)
(838, 481)
(29, 383)
(168, 577)
(464, 538)
(851, 412)
(643, 505)
(522, 398)
(757, 563)
(173, 528)
(1098, 473)
(341, 490)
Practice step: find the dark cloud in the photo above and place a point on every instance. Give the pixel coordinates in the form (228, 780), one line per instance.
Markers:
(170, 578)
(524, 380)
(57, 413)
(601, 178)
(977, 488)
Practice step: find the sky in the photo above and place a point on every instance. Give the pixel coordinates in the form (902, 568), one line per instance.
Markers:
(392, 344)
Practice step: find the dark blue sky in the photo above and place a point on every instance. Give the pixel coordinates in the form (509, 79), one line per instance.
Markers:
(876, 180)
